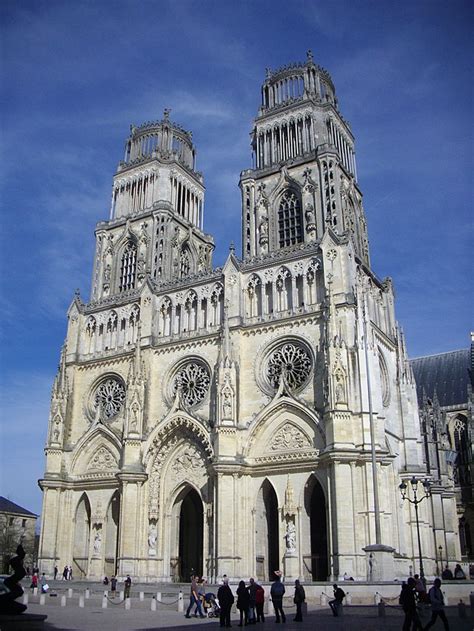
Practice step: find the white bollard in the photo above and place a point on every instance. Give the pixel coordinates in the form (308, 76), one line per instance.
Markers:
(445, 598)
(35, 591)
(377, 598)
(88, 593)
(158, 596)
(25, 598)
(69, 592)
(323, 600)
(180, 602)
(142, 595)
(348, 599)
(63, 600)
(121, 595)
(128, 603)
(153, 604)
(42, 599)
(104, 602)
(266, 607)
(81, 602)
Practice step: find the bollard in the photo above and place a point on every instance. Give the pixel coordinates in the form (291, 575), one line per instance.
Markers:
(69, 592)
(121, 594)
(377, 598)
(462, 609)
(42, 599)
(348, 599)
(180, 602)
(35, 591)
(128, 603)
(381, 609)
(104, 602)
(106, 593)
(153, 604)
(142, 596)
(63, 600)
(25, 598)
(88, 593)
(267, 606)
(81, 602)
(471, 599)
(158, 596)
(445, 598)
(323, 600)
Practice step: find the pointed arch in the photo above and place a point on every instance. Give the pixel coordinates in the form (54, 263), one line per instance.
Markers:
(267, 540)
(97, 450)
(290, 218)
(315, 530)
(82, 527)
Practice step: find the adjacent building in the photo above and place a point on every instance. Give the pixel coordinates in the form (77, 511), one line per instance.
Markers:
(17, 525)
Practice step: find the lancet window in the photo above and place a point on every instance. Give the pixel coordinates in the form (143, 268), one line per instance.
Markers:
(289, 220)
(128, 267)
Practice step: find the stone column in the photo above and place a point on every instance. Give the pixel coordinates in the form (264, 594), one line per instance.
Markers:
(130, 515)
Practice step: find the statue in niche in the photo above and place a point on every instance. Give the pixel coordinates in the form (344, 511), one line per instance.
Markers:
(134, 423)
(107, 271)
(263, 230)
(97, 542)
(290, 537)
(227, 403)
(57, 430)
(152, 538)
(340, 387)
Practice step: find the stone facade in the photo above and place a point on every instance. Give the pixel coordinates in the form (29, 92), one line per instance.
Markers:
(17, 525)
(223, 419)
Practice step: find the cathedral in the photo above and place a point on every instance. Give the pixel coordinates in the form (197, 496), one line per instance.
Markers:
(246, 418)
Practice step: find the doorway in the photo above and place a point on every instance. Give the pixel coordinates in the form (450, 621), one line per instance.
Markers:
(266, 527)
(191, 524)
(318, 528)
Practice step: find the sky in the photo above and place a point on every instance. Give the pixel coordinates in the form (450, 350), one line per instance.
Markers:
(75, 75)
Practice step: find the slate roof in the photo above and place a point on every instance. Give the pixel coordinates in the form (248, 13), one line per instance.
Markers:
(448, 374)
(6, 506)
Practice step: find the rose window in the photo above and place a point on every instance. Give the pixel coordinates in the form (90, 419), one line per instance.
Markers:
(110, 397)
(194, 381)
(292, 360)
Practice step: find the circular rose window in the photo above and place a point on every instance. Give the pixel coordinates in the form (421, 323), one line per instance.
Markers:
(194, 380)
(110, 397)
(291, 358)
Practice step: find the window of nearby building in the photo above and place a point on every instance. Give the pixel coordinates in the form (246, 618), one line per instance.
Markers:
(12, 519)
(23, 523)
(128, 268)
(289, 220)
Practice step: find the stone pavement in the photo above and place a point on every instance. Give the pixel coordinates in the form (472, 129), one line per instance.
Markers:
(139, 618)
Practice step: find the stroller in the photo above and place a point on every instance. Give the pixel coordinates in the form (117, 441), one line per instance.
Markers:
(211, 605)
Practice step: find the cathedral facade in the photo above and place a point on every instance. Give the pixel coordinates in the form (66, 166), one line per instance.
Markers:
(242, 419)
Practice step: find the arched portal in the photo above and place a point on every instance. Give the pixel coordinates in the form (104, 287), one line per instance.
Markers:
(266, 532)
(188, 538)
(316, 507)
(82, 527)
(111, 535)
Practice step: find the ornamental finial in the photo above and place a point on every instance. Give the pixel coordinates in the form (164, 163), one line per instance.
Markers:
(166, 114)
(309, 55)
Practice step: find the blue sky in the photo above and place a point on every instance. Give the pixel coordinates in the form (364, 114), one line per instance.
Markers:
(76, 74)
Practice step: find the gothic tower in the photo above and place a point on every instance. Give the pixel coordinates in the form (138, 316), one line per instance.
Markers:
(240, 419)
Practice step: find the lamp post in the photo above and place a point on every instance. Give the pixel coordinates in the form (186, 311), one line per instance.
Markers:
(415, 501)
(440, 560)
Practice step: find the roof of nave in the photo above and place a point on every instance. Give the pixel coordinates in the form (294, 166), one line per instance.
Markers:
(7, 506)
(447, 374)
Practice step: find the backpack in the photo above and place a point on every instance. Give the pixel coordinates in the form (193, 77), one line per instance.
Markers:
(278, 589)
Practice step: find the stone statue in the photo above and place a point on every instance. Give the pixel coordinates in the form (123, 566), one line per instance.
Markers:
(97, 542)
(8, 605)
(290, 537)
(152, 537)
(227, 403)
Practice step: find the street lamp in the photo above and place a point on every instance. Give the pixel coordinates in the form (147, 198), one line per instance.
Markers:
(415, 501)
(440, 548)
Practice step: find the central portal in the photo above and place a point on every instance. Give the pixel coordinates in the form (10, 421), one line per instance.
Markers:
(191, 524)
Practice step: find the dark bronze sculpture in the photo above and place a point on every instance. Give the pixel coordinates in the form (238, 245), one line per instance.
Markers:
(8, 604)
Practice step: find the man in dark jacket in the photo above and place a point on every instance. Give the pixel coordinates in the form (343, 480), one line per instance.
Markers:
(336, 604)
(299, 599)
(226, 600)
(252, 600)
(408, 602)
(276, 592)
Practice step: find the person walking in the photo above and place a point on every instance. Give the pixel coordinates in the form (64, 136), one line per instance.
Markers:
(55, 572)
(194, 599)
(252, 588)
(276, 592)
(336, 604)
(65, 573)
(128, 586)
(437, 605)
(408, 602)
(243, 599)
(299, 599)
(226, 600)
(259, 602)
(34, 581)
(113, 586)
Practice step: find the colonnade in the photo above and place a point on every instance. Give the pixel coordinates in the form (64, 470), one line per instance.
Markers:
(346, 152)
(282, 142)
(186, 202)
(111, 331)
(134, 194)
(194, 313)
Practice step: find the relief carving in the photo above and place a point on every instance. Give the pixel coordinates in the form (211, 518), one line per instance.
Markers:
(288, 438)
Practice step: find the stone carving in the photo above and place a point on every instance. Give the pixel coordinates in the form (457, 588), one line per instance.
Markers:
(109, 397)
(294, 361)
(97, 543)
(102, 460)
(186, 463)
(340, 386)
(290, 537)
(288, 438)
(152, 537)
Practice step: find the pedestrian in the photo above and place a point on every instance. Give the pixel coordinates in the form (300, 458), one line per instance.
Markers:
(69, 573)
(408, 601)
(276, 592)
(65, 572)
(447, 575)
(437, 605)
(336, 604)
(252, 588)
(299, 599)
(34, 581)
(113, 586)
(128, 586)
(459, 573)
(201, 591)
(226, 600)
(420, 588)
(105, 581)
(55, 572)
(243, 600)
(44, 583)
(194, 598)
(259, 602)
